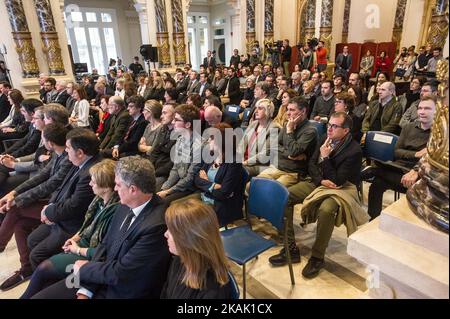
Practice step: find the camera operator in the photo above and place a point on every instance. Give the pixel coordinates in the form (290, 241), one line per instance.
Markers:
(273, 53)
(309, 54)
(321, 54)
(286, 52)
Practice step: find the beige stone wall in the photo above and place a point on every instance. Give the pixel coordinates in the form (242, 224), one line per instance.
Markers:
(30, 87)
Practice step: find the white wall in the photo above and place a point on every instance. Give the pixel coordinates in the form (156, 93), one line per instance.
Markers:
(285, 17)
(359, 31)
(411, 24)
(129, 34)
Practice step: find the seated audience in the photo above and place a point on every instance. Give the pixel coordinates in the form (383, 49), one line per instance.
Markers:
(133, 259)
(281, 119)
(5, 107)
(14, 126)
(83, 244)
(384, 114)
(323, 106)
(152, 113)
(120, 123)
(199, 266)
(412, 95)
(80, 113)
(410, 148)
(180, 182)
(345, 103)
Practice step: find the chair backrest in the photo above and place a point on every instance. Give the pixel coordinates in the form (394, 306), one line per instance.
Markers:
(235, 292)
(380, 145)
(321, 128)
(233, 110)
(268, 199)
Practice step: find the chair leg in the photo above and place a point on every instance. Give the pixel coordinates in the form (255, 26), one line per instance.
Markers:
(291, 270)
(244, 285)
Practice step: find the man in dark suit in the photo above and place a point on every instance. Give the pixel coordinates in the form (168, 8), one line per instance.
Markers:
(344, 62)
(209, 61)
(193, 82)
(5, 107)
(203, 85)
(233, 88)
(133, 259)
(62, 96)
(64, 214)
(50, 91)
(182, 81)
(121, 121)
(235, 59)
(24, 204)
(129, 146)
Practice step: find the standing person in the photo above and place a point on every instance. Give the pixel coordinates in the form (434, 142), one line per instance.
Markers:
(199, 265)
(209, 61)
(286, 52)
(344, 62)
(235, 59)
(136, 67)
(321, 53)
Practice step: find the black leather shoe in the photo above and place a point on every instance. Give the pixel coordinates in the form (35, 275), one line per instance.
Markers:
(313, 267)
(368, 174)
(280, 259)
(15, 280)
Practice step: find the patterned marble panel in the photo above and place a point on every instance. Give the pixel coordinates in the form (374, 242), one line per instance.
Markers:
(161, 18)
(400, 14)
(348, 4)
(250, 15)
(177, 16)
(310, 14)
(326, 20)
(441, 6)
(16, 15)
(268, 19)
(45, 16)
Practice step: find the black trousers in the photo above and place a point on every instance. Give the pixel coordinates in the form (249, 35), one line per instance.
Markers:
(44, 242)
(384, 179)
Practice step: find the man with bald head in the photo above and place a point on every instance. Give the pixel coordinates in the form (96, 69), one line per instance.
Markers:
(385, 113)
(214, 116)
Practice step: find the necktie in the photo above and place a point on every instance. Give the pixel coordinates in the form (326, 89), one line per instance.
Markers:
(129, 130)
(123, 230)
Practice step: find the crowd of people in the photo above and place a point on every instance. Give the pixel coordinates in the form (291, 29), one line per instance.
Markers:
(120, 187)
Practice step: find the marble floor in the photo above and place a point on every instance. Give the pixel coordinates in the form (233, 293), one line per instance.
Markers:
(342, 278)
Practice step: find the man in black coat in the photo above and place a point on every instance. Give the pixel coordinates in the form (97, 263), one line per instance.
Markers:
(133, 259)
(62, 96)
(335, 163)
(233, 88)
(120, 123)
(64, 214)
(5, 107)
(209, 61)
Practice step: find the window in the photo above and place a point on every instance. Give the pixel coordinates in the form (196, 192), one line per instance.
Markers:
(94, 38)
(198, 37)
(219, 32)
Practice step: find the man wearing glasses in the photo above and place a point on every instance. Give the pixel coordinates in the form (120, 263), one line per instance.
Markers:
(330, 197)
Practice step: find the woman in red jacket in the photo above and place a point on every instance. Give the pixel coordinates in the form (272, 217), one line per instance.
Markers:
(383, 63)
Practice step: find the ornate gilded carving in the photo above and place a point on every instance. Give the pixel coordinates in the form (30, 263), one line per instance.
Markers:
(428, 198)
(22, 38)
(326, 36)
(251, 38)
(179, 48)
(163, 48)
(52, 50)
(27, 54)
(438, 30)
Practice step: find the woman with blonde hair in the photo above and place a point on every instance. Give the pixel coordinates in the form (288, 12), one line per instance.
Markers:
(199, 266)
(281, 119)
(152, 113)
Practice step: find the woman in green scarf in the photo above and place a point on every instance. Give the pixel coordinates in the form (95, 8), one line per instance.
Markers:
(83, 244)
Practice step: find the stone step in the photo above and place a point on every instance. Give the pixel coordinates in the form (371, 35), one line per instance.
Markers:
(413, 265)
(399, 220)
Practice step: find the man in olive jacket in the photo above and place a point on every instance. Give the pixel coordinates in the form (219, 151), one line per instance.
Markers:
(120, 122)
(384, 114)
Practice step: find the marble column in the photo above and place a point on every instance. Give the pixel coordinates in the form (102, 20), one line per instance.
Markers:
(141, 9)
(326, 22)
(268, 21)
(429, 197)
(347, 6)
(251, 31)
(49, 37)
(162, 33)
(22, 38)
(438, 29)
(398, 22)
(308, 21)
(179, 45)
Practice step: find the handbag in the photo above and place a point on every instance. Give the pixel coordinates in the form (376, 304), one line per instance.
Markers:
(400, 72)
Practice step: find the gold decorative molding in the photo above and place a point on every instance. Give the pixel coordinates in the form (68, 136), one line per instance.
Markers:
(251, 38)
(326, 36)
(163, 48)
(27, 54)
(52, 50)
(179, 48)
(344, 38)
(438, 30)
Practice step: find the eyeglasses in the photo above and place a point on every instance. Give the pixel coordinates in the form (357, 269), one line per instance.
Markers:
(334, 126)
